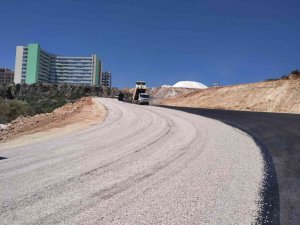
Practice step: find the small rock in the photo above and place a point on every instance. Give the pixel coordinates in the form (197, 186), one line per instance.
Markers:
(3, 126)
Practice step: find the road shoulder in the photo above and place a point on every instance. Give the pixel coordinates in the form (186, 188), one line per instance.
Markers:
(69, 118)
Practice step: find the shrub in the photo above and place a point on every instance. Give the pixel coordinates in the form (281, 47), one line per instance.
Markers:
(17, 108)
(284, 77)
(295, 72)
(12, 109)
(271, 79)
(4, 111)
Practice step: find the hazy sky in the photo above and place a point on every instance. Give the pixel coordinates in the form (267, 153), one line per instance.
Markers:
(162, 42)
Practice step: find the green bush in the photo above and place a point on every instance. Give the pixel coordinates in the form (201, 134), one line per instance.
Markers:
(46, 105)
(295, 72)
(4, 111)
(12, 109)
(272, 79)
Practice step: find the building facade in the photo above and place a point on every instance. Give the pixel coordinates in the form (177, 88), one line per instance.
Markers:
(106, 79)
(35, 65)
(6, 76)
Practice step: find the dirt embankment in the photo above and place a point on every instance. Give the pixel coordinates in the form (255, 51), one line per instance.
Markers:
(271, 96)
(72, 116)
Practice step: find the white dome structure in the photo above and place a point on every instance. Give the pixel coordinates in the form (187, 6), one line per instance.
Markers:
(166, 86)
(189, 84)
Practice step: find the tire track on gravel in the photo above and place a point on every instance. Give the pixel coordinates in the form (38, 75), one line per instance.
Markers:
(164, 167)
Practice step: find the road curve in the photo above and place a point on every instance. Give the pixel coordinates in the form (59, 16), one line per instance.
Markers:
(142, 165)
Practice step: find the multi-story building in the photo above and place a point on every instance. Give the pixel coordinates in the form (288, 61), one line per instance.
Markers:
(106, 79)
(35, 65)
(6, 76)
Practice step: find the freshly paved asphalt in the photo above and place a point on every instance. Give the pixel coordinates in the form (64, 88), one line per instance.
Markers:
(279, 136)
(142, 165)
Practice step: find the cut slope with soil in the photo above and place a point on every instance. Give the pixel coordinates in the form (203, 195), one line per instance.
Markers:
(271, 96)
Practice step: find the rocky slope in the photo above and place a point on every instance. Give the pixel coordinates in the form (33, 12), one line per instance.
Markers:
(158, 94)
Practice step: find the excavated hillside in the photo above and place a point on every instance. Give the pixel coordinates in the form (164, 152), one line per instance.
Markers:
(158, 94)
(269, 96)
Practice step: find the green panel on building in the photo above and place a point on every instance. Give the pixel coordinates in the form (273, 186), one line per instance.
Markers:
(32, 63)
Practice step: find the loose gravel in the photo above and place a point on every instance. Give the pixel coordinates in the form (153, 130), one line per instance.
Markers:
(142, 165)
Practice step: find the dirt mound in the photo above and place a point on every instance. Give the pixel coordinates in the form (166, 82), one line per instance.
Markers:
(79, 111)
(272, 96)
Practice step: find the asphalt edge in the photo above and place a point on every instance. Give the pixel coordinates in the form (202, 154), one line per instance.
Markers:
(269, 205)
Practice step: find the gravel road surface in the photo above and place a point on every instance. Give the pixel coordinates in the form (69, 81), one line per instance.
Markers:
(279, 133)
(142, 165)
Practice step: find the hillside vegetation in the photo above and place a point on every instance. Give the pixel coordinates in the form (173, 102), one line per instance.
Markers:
(10, 110)
(29, 100)
(282, 95)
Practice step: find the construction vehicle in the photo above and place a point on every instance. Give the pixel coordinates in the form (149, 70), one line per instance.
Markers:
(121, 96)
(140, 96)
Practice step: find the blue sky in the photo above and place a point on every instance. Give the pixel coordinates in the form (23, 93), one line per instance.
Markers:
(162, 41)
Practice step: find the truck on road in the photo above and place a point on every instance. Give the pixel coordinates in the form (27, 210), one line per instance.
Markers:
(139, 95)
